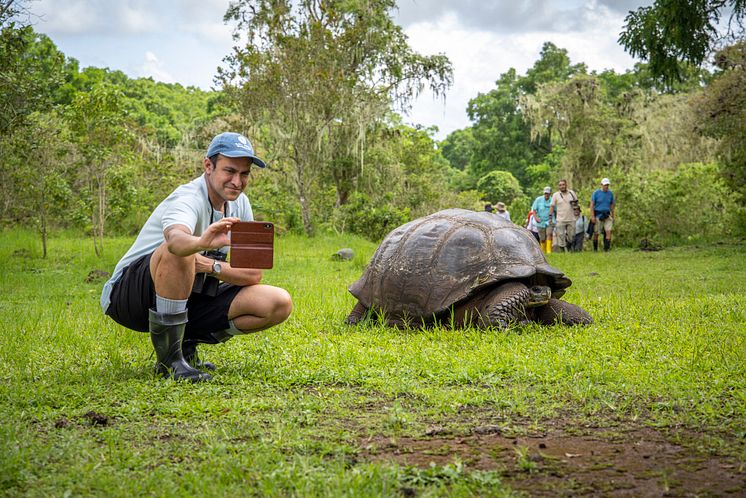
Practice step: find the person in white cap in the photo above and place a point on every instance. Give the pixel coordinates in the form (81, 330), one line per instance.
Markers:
(602, 214)
(184, 242)
(540, 208)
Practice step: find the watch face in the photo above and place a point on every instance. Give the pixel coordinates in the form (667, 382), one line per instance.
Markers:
(216, 267)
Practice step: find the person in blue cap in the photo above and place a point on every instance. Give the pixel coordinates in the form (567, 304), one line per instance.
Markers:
(184, 242)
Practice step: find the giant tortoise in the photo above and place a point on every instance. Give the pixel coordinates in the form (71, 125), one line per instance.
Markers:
(458, 267)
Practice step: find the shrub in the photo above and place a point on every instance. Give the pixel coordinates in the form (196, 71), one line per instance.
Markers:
(690, 203)
(371, 220)
(499, 186)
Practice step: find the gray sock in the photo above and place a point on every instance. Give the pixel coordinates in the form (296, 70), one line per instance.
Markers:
(164, 305)
(232, 329)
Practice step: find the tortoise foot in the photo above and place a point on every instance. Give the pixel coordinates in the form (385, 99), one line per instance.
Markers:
(357, 314)
(557, 311)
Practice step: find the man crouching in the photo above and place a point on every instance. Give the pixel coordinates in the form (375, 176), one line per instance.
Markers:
(174, 281)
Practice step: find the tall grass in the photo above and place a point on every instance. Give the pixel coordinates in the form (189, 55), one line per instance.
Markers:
(291, 408)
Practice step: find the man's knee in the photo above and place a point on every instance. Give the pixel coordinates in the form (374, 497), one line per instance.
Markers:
(171, 273)
(260, 306)
(282, 305)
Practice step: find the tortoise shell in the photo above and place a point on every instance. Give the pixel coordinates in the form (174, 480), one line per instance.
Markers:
(425, 266)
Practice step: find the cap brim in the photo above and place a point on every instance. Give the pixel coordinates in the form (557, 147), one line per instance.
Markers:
(243, 153)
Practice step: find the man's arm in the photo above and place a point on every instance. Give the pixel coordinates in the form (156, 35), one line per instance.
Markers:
(535, 212)
(181, 242)
(593, 210)
(228, 274)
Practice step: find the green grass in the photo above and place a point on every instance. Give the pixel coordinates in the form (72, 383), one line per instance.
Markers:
(292, 409)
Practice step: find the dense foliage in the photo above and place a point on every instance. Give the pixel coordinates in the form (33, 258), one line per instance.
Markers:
(92, 150)
(670, 34)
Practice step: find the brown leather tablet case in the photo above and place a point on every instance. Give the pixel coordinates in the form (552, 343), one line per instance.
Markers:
(252, 244)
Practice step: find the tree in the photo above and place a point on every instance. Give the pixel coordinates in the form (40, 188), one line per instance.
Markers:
(32, 68)
(722, 111)
(499, 186)
(501, 133)
(100, 133)
(673, 33)
(501, 136)
(575, 114)
(316, 73)
(457, 148)
(35, 175)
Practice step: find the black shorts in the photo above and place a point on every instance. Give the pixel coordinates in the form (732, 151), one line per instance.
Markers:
(134, 294)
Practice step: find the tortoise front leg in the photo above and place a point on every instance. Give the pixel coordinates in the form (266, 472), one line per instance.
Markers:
(498, 307)
(357, 314)
(557, 311)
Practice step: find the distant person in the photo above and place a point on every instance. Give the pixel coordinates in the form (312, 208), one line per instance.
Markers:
(602, 214)
(155, 288)
(581, 227)
(532, 226)
(502, 212)
(561, 208)
(540, 207)
(488, 208)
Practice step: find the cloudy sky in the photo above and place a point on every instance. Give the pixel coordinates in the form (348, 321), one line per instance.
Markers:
(184, 41)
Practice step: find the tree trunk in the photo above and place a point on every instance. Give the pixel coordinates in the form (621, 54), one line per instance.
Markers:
(305, 212)
(305, 208)
(99, 215)
(43, 222)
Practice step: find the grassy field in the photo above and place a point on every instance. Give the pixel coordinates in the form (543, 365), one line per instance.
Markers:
(651, 399)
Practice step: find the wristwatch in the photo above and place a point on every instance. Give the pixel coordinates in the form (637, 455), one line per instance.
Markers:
(216, 268)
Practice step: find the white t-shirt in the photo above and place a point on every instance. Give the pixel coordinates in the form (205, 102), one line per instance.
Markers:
(188, 205)
(503, 214)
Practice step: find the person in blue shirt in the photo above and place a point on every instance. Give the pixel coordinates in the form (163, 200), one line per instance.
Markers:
(602, 214)
(540, 207)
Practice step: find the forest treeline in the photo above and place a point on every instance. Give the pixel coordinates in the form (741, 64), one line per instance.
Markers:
(320, 87)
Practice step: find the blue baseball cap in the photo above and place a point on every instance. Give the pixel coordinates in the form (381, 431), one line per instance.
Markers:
(233, 145)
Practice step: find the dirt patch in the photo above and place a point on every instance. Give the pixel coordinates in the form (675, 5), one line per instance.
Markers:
(97, 276)
(570, 461)
(95, 418)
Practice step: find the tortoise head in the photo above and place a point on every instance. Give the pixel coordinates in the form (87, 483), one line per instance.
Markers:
(538, 295)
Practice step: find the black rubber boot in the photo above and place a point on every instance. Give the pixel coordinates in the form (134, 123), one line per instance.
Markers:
(189, 349)
(607, 244)
(167, 334)
(595, 245)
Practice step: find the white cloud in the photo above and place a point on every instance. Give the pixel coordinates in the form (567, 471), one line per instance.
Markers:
(67, 17)
(214, 32)
(136, 19)
(479, 57)
(153, 68)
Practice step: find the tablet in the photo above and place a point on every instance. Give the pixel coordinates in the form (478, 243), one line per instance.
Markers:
(252, 244)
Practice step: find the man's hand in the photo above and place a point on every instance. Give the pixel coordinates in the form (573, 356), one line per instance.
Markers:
(216, 235)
